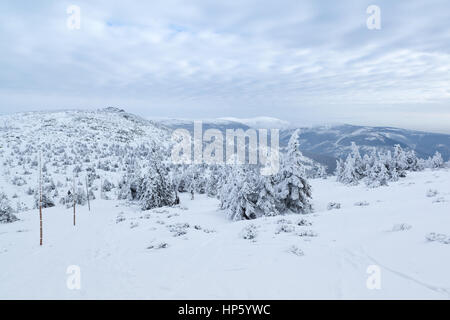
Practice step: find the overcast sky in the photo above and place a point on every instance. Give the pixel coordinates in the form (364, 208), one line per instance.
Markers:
(307, 62)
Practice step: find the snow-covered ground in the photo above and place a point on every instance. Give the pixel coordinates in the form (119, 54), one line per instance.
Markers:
(192, 251)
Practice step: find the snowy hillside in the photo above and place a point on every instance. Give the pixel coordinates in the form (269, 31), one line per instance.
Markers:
(148, 228)
(93, 145)
(192, 251)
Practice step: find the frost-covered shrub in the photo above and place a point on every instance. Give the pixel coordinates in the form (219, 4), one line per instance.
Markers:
(91, 195)
(68, 199)
(432, 193)
(249, 232)
(306, 233)
(303, 222)
(178, 229)
(333, 205)
(361, 203)
(285, 228)
(436, 161)
(107, 186)
(18, 181)
(6, 211)
(47, 201)
(20, 206)
(401, 227)
(161, 245)
(438, 237)
(352, 170)
(439, 200)
(296, 250)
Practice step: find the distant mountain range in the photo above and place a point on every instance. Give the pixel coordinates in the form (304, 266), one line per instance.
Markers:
(325, 144)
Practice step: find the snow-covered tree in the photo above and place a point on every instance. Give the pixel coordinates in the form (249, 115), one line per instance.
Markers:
(6, 211)
(248, 195)
(353, 169)
(412, 161)
(292, 188)
(378, 175)
(400, 161)
(436, 161)
(152, 186)
(47, 200)
(68, 199)
(340, 165)
(213, 180)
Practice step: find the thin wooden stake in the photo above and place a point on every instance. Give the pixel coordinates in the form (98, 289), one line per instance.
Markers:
(87, 193)
(74, 199)
(40, 199)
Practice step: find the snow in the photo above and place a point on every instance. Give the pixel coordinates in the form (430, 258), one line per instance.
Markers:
(192, 251)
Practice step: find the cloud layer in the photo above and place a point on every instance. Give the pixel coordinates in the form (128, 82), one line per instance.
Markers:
(304, 61)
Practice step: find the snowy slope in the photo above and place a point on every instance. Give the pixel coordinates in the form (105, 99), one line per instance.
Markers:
(95, 143)
(192, 251)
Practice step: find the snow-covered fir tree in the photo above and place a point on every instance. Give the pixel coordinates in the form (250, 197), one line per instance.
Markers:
(248, 195)
(377, 175)
(6, 211)
(152, 185)
(293, 190)
(353, 169)
(400, 161)
(436, 161)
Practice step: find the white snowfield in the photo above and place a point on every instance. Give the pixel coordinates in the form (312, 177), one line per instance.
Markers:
(193, 252)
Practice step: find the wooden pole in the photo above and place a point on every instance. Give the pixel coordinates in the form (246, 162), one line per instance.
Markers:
(74, 199)
(87, 193)
(40, 199)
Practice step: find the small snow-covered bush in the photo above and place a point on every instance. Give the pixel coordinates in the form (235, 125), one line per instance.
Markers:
(20, 206)
(284, 221)
(249, 232)
(47, 201)
(68, 199)
(436, 162)
(333, 205)
(438, 237)
(307, 233)
(432, 192)
(120, 218)
(285, 228)
(439, 200)
(18, 181)
(6, 212)
(303, 222)
(107, 186)
(361, 203)
(134, 225)
(161, 245)
(178, 229)
(401, 227)
(296, 250)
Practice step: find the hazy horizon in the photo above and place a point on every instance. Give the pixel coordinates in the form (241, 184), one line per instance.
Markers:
(291, 124)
